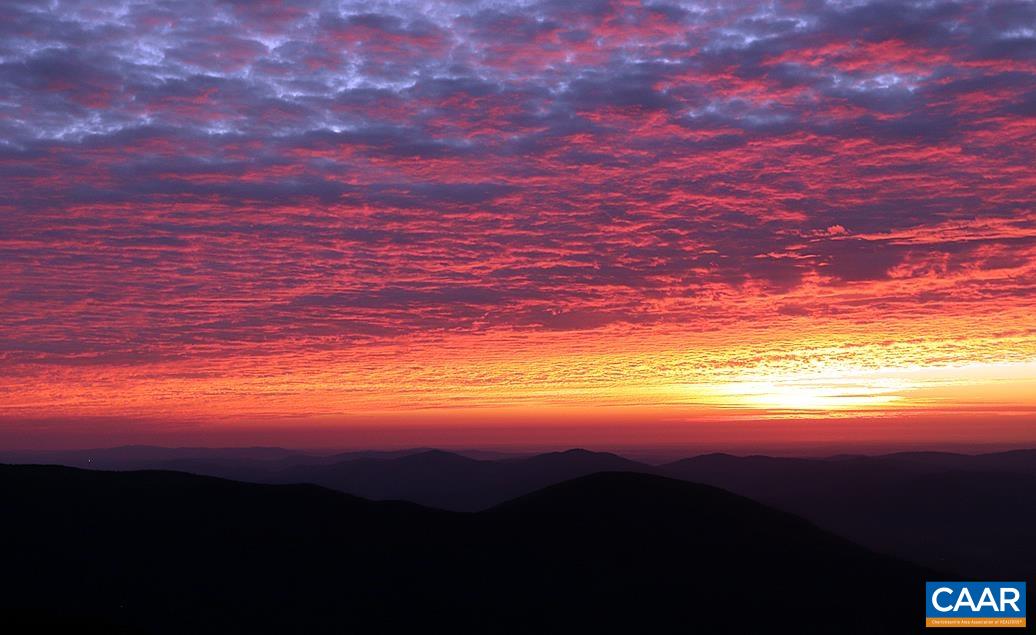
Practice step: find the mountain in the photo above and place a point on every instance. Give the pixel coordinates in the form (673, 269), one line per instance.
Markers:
(451, 481)
(971, 514)
(1014, 461)
(122, 457)
(975, 515)
(685, 544)
(164, 552)
(172, 553)
(244, 463)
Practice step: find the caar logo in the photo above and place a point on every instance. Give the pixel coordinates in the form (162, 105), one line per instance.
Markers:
(975, 604)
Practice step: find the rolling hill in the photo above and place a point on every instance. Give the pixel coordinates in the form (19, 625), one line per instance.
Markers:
(165, 552)
(974, 515)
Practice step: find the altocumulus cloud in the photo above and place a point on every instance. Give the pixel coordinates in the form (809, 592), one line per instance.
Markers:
(274, 175)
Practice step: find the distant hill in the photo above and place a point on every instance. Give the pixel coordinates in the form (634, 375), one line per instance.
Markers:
(243, 463)
(971, 514)
(122, 457)
(975, 515)
(165, 552)
(450, 481)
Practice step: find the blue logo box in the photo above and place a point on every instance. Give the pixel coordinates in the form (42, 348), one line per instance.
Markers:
(975, 604)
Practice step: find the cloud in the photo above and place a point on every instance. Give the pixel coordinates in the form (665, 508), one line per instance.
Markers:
(221, 178)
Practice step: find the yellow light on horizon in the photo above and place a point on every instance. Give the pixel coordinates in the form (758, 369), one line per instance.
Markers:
(849, 389)
(796, 396)
(807, 393)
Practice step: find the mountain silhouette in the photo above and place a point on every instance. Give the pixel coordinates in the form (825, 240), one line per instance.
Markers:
(973, 515)
(450, 481)
(165, 552)
(906, 504)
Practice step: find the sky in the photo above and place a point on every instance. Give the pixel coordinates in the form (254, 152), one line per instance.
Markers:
(480, 222)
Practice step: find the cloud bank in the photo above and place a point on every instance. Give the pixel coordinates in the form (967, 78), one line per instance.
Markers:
(240, 180)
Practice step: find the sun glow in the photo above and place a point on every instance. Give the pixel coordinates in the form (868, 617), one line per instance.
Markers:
(800, 395)
(848, 389)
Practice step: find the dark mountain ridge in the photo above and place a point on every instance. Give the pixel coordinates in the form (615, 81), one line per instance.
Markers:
(907, 504)
(166, 552)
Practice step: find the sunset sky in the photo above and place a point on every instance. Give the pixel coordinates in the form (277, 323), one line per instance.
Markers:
(476, 222)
